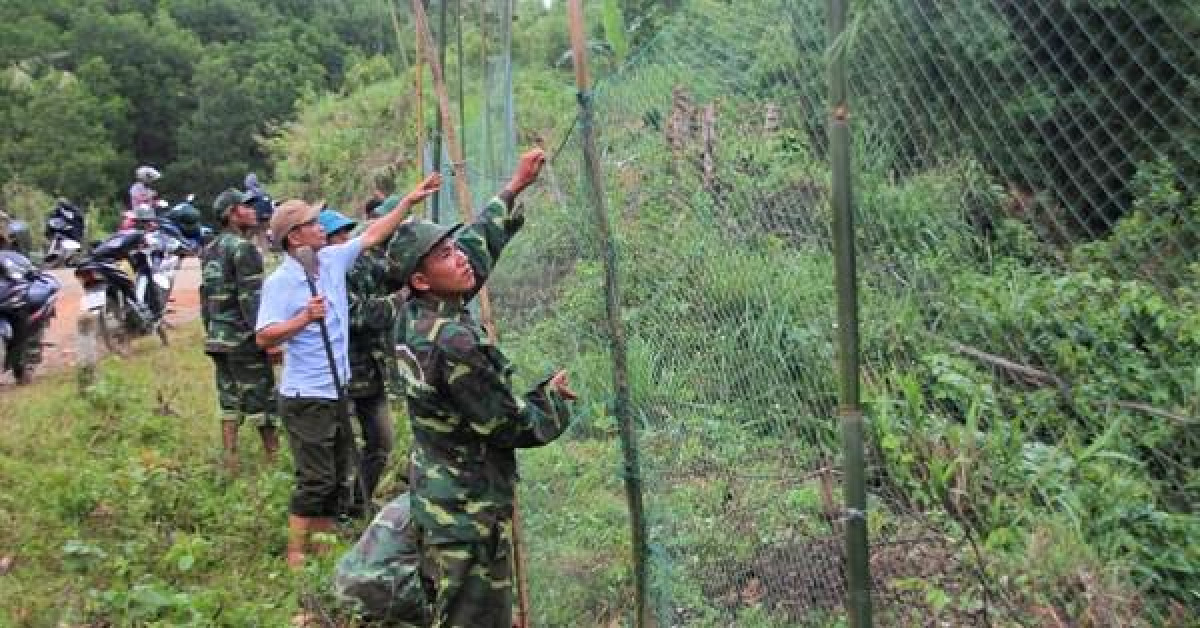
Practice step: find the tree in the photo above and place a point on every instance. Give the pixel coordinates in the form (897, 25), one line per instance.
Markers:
(64, 143)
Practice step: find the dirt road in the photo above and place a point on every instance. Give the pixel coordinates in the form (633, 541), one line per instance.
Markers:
(60, 350)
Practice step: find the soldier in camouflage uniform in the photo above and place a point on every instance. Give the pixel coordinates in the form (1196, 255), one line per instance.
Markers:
(373, 314)
(231, 285)
(466, 419)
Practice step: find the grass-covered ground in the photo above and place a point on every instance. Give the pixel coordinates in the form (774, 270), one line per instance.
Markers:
(114, 510)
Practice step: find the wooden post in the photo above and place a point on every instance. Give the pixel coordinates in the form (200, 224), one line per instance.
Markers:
(418, 93)
(771, 119)
(679, 121)
(708, 133)
(622, 401)
(463, 194)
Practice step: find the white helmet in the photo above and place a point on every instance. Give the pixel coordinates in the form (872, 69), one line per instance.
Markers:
(147, 174)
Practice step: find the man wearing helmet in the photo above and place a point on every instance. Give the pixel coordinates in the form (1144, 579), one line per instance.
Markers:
(140, 193)
(231, 286)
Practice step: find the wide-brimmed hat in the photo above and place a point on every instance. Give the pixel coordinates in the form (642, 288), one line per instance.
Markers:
(289, 215)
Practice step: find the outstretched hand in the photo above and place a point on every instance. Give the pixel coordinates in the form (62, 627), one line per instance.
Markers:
(559, 384)
(424, 189)
(528, 169)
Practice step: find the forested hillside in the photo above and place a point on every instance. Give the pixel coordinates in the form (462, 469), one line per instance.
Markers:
(90, 89)
(1026, 187)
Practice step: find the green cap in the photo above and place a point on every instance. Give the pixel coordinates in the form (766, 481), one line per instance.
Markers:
(229, 199)
(410, 244)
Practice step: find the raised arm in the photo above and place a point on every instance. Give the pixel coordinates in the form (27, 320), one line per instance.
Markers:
(382, 229)
(485, 238)
(482, 393)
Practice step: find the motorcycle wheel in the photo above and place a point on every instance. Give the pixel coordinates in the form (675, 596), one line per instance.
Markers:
(112, 327)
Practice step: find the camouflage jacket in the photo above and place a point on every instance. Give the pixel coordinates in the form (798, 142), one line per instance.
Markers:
(466, 419)
(380, 576)
(230, 287)
(373, 317)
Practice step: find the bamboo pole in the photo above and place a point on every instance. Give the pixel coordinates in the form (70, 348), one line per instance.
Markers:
(418, 80)
(399, 40)
(621, 405)
(858, 602)
(463, 194)
(462, 99)
(437, 146)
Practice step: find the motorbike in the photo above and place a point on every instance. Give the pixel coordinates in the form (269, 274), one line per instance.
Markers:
(183, 223)
(19, 237)
(128, 307)
(27, 303)
(64, 236)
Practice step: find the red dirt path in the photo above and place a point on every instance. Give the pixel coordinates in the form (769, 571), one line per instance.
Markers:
(60, 350)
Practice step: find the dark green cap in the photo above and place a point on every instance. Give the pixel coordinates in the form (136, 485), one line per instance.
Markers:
(410, 244)
(229, 199)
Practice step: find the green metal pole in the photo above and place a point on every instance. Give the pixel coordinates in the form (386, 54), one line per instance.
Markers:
(858, 602)
(621, 404)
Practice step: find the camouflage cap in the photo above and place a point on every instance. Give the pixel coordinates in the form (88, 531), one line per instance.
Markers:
(410, 244)
(229, 199)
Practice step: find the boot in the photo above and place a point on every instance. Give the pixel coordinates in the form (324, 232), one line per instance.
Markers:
(297, 545)
(229, 430)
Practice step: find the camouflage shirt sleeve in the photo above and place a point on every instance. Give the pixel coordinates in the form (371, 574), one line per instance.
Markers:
(204, 318)
(478, 385)
(370, 310)
(484, 239)
(248, 270)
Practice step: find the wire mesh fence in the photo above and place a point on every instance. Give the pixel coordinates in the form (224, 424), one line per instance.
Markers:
(1025, 176)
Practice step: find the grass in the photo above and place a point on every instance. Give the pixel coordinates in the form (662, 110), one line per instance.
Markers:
(114, 509)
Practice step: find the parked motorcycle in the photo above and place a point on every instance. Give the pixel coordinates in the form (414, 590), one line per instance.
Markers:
(183, 221)
(27, 303)
(128, 307)
(64, 235)
(19, 237)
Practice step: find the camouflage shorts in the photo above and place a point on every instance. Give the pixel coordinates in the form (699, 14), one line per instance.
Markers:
(473, 581)
(246, 388)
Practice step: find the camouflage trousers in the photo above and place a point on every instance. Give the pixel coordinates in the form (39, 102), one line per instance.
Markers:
(472, 581)
(246, 388)
(378, 434)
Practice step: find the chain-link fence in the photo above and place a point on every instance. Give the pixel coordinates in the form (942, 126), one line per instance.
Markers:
(1025, 180)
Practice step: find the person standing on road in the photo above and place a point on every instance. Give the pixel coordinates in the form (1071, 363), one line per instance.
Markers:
(310, 403)
(467, 421)
(230, 291)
